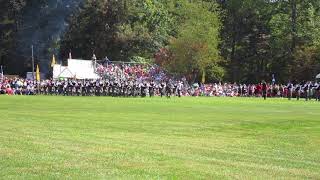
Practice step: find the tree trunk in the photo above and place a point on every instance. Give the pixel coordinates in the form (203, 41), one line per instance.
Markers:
(293, 25)
(293, 34)
(233, 49)
(203, 78)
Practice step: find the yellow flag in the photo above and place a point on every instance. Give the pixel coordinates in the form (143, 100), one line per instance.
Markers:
(38, 73)
(53, 62)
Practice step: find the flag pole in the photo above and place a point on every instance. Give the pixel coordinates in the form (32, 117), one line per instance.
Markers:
(32, 59)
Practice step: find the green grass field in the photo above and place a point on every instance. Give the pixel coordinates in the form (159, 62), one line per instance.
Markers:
(188, 138)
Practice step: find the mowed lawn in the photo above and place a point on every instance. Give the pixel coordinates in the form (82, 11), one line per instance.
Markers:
(135, 138)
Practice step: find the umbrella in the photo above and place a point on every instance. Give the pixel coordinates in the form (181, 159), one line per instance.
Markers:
(318, 76)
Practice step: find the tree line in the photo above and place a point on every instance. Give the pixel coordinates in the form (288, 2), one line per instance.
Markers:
(203, 40)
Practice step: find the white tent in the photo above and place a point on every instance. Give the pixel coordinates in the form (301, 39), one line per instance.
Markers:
(318, 76)
(61, 72)
(82, 69)
(79, 69)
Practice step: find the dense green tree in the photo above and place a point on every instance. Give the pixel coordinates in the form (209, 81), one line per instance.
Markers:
(261, 38)
(195, 49)
(119, 29)
(9, 22)
(295, 34)
(245, 37)
(240, 40)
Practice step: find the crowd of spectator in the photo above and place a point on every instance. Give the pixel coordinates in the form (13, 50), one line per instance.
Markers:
(125, 72)
(308, 89)
(144, 80)
(17, 86)
(20, 86)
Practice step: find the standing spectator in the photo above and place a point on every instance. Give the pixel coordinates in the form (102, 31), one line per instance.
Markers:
(318, 92)
(307, 91)
(298, 91)
(289, 90)
(264, 90)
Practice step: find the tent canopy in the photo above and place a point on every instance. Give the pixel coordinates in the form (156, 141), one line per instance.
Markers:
(82, 69)
(79, 69)
(61, 72)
